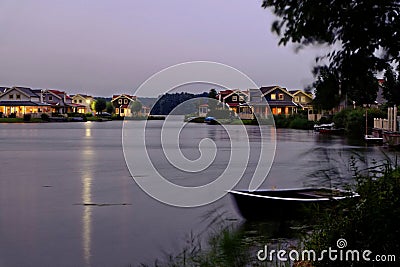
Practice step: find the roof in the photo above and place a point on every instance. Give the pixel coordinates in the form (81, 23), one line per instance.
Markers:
(26, 91)
(131, 97)
(21, 103)
(266, 89)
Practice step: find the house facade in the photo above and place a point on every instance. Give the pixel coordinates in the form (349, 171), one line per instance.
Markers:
(84, 103)
(121, 104)
(271, 100)
(18, 101)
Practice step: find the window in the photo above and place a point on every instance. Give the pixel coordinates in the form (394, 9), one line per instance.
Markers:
(279, 110)
(119, 101)
(234, 98)
(11, 96)
(125, 101)
(50, 98)
(280, 96)
(273, 96)
(303, 99)
(116, 110)
(18, 96)
(122, 110)
(74, 101)
(241, 98)
(80, 101)
(296, 99)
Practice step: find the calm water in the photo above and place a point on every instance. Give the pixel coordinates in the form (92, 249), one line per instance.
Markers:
(48, 170)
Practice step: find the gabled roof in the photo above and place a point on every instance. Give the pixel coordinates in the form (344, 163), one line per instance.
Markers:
(130, 97)
(23, 90)
(81, 96)
(237, 91)
(268, 89)
(295, 92)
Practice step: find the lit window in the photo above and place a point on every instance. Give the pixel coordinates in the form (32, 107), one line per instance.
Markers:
(279, 110)
(273, 96)
(296, 99)
(280, 96)
(234, 98)
(303, 99)
(119, 101)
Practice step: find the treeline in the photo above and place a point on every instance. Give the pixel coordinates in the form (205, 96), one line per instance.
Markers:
(168, 102)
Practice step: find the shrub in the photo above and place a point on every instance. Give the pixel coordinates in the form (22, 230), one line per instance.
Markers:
(301, 123)
(45, 117)
(370, 222)
(27, 117)
(12, 115)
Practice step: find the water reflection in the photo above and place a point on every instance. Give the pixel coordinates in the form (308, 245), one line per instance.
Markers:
(87, 178)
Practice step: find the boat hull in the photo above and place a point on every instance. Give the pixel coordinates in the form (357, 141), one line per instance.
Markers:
(286, 204)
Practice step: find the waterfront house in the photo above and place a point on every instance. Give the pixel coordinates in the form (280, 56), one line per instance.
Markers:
(203, 110)
(18, 101)
(302, 99)
(84, 103)
(121, 104)
(274, 100)
(59, 101)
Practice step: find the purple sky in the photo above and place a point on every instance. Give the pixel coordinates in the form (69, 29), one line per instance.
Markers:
(103, 47)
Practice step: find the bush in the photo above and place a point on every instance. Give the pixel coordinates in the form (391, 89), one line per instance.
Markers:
(89, 114)
(340, 118)
(301, 123)
(27, 117)
(45, 117)
(220, 113)
(12, 115)
(370, 222)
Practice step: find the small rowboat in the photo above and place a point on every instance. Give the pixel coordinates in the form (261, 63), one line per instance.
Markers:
(284, 204)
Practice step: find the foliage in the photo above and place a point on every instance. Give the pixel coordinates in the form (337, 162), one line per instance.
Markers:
(391, 86)
(363, 36)
(27, 117)
(100, 105)
(45, 117)
(168, 102)
(296, 121)
(327, 95)
(12, 115)
(367, 223)
(109, 107)
(212, 103)
(136, 106)
(340, 118)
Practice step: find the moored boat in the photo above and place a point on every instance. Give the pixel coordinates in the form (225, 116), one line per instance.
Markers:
(285, 204)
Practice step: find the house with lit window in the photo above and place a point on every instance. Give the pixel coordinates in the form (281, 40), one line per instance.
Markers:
(83, 102)
(236, 100)
(18, 101)
(121, 104)
(269, 100)
(59, 101)
(302, 99)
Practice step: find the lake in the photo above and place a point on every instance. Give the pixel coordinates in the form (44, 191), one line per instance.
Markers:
(49, 172)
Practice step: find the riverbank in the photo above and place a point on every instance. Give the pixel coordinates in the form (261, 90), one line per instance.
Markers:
(368, 223)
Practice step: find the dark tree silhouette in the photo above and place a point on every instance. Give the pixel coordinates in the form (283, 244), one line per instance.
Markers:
(364, 36)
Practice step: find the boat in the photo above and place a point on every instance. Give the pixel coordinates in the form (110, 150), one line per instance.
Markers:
(286, 204)
(328, 129)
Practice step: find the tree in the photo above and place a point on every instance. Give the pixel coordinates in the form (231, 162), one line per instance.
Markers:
(391, 86)
(136, 106)
(364, 37)
(212, 104)
(327, 88)
(109, 107)
(100, 105)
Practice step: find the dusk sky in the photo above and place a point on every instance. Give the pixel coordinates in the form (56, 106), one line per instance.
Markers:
(102, 47)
